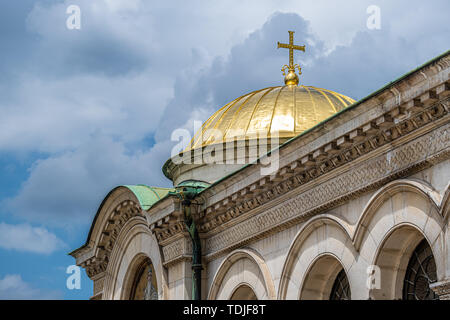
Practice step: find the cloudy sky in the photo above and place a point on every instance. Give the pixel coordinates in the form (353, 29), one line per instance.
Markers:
(82, 111)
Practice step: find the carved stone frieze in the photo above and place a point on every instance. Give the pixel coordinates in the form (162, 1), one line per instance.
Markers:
(181, 248)
(381, 169)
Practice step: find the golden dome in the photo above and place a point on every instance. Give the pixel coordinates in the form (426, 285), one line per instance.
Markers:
(288, 110)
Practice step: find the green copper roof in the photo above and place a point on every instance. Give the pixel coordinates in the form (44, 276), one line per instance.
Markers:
(148, 196)
(194, 184)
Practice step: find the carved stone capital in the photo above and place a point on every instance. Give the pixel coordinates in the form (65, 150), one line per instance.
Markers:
(177, 250)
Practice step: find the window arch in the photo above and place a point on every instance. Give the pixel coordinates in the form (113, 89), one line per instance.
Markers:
(325, 279)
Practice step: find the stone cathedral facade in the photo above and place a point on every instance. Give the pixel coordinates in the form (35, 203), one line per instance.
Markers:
(357, 206)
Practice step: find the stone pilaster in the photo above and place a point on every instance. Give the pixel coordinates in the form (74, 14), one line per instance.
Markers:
(98, 286)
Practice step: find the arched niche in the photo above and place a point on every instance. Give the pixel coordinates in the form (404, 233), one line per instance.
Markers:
(242, 268)
(397, 218)
(326, 279)
(134, 246)
(321, 248)
(243, 292)
(405, 260)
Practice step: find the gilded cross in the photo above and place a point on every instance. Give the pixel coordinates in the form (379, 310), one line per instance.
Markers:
(291, 46)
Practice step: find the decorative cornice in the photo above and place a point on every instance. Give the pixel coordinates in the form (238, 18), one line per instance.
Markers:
(415, 155)
(123, 212)
(167, 228)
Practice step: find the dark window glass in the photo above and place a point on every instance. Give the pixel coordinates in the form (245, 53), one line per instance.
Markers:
(420, 273)
(341, 288)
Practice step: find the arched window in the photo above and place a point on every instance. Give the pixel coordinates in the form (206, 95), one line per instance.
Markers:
(420, 273)
(341, 288)
(144, 284)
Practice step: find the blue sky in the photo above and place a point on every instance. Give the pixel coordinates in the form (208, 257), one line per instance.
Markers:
(82, 111)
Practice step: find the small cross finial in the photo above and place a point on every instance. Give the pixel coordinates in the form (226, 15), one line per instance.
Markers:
(291, 78)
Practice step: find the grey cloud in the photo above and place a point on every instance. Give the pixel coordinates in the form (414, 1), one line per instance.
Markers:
(371, 60)
(251, 65)
(66, 190)
(13, 287)
(58, 115)
(102, 45)
(78, 175)
(16, 44)
(24, 237)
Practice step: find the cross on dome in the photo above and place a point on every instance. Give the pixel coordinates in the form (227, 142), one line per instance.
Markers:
(291, 78)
